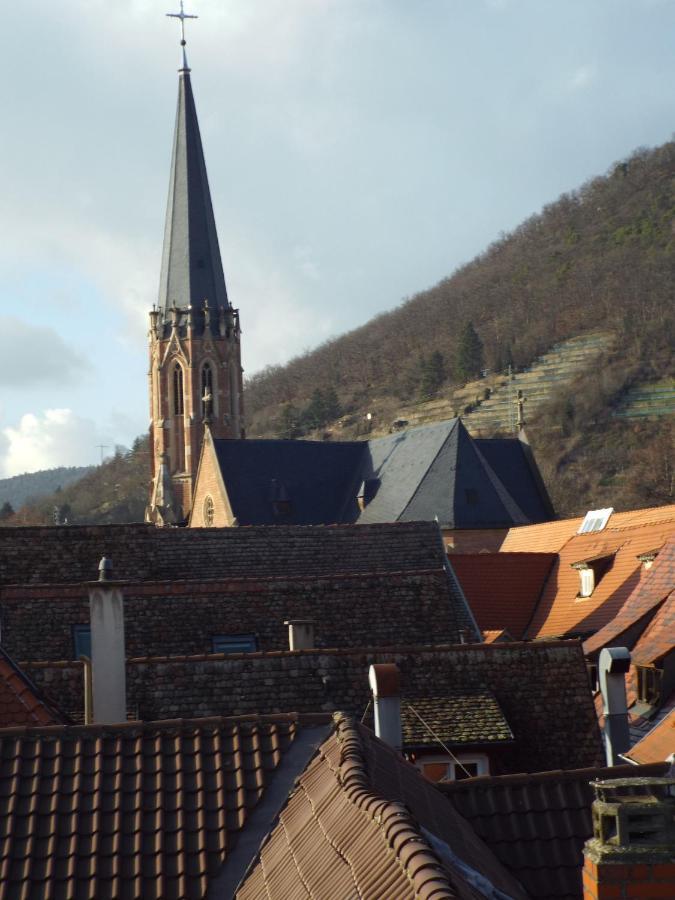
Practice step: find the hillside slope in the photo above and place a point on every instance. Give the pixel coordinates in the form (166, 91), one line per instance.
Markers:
(20, 488)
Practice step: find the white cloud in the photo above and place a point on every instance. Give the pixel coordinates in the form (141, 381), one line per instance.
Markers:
(33, 355)
(57, 438)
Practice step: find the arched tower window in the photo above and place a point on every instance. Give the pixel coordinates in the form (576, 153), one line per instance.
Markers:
(178, 390)
(207, 390)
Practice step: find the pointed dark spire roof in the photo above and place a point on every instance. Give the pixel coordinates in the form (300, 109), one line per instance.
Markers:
(192, 270)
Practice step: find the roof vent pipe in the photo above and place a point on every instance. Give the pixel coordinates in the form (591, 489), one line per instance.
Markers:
(108, 656)
(385, 683)
(613, 664)
(300, 634)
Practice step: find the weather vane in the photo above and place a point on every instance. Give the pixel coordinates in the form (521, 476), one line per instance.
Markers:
(182, 15)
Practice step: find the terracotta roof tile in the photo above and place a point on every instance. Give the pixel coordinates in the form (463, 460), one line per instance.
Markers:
(21, 703)
(503, 588)
(561, 611)
(658, 638)
(499, 635)
(654, 585)
(364, 822)
(537, 824)
(147, 810)
(658, 744)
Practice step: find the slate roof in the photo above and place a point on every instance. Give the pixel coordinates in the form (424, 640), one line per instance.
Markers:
(654, 585)
(658, 744)
(514, 464)
(541, 688)
(503, 589)
(456, 717)
(70, 554)
(364, 823)
(432, 472)
(21, 702)
(192, 271)
(140, 810)
(537, 824)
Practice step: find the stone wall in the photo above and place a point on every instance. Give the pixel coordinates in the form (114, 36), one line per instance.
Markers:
(542, 689)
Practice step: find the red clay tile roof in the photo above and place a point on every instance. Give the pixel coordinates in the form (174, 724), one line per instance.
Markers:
(537, 824)
(503, 588)
(21, 703)
(561, 611)
(652, 588)
(498, 635)
(140, 810)
(658, 744)
(658, 638)
(364, 823)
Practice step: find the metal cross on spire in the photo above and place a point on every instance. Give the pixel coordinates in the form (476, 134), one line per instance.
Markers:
(182, 16)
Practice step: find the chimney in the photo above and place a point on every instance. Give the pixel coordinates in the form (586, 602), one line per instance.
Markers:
(300, 634)
(108, 658)
(385, 683)
(613, 664)
(632, 851)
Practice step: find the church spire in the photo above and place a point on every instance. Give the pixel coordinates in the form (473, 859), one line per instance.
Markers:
(192, 271)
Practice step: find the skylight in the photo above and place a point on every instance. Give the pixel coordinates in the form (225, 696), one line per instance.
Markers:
(595, 520)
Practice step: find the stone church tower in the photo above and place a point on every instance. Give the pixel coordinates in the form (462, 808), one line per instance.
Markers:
(195, 359)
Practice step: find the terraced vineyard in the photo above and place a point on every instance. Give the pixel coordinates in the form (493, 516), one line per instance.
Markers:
(648, 401)
(491, 404)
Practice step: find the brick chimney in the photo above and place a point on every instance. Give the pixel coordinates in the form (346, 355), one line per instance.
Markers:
(632, 851)
(385, 683)
(108, 656)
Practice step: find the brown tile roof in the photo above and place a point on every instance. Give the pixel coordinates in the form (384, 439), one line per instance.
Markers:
(658, 638)
(652, 588)
(541, 687)
(560, 610)
(21, 703)
(70, 554)
(537, 824)
(144, 810)
(457, 717)
(503, 588)
(550, 537)
(364, 823)
(658, 744)
(499, 634)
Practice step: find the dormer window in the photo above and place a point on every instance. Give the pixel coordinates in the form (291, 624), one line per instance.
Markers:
(590, 572)
(647, 559)
(649, 685)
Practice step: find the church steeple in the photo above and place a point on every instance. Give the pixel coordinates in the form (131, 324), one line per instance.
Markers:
(192, 270)
(195, 354)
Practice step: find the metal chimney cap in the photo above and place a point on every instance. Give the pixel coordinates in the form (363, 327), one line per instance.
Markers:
(385, 680)
(105, 568)
(615, 660)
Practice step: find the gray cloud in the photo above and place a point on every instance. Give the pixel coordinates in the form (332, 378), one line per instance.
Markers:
(31, 355)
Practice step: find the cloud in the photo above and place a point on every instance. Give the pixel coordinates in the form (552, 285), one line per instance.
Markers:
(57, 438)
(32, 355)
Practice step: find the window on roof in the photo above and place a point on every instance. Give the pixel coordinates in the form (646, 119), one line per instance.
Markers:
(234, 643)
(595, 520)
(591, 572)
(444, 768)
(649, 684)
(81, 641)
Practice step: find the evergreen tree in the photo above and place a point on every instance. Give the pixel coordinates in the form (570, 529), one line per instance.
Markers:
(432, 373)
(6, 511)
(289, 422)
(469, 362)
(332, 408)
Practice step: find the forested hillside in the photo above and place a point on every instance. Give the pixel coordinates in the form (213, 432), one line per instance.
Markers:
(15, 491)
(600, 259)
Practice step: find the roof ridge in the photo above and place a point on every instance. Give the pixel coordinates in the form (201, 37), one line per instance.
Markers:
(137, 725)
(492, 781)
(403, 834)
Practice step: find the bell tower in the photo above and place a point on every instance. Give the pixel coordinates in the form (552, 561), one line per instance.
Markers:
(195, 358)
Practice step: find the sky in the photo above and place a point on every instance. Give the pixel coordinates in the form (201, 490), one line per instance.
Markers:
(358, 152)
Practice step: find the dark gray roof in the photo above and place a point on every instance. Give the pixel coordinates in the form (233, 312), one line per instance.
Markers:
(514, 464)
(192, 270)
(433, 472)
